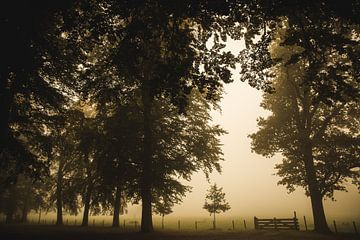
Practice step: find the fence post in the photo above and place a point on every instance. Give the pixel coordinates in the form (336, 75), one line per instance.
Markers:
(124, 224)
(296, 222)
(275, 224)
(233, 224)
(245, 224)
(179, 225)
(356, 231)
(39, 216)
(195, 225)
(305, 224)
(336, 231)
(67, 221)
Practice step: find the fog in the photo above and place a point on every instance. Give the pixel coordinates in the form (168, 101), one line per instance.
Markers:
(247, 178)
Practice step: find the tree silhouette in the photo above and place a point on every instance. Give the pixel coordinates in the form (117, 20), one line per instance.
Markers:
(315, 136)
(140, 63)
(18, 199)
(26, 97)
(217, 202)
(162, 206)
(316, 30)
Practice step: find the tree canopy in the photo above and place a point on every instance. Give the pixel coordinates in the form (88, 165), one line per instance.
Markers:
(313, 132)
(149, 73)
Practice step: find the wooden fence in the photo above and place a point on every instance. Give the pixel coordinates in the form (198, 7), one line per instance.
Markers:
(277, 223)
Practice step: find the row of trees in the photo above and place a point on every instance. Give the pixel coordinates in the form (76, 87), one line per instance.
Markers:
(139, 67)
(96, 161)
(134, 73)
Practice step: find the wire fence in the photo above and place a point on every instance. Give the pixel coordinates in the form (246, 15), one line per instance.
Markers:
(191, 224)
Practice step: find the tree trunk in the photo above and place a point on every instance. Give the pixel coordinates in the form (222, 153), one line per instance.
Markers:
(162, 221)
(59, 215)
(25, 207)
(5, 109)
(9, 217)
(117, 203)
(39, 219)
(11, 204)
(320, 223)
(85, 221)
(146, 215)
(214, 222)
(24, 212)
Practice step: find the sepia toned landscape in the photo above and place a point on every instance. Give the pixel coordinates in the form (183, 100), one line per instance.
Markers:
(182, 119)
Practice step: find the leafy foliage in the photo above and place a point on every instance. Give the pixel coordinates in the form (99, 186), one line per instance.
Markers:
(312, 131)
(138, 64)
(217, 202)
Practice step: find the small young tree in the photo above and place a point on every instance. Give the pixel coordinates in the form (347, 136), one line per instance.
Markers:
(217, 202)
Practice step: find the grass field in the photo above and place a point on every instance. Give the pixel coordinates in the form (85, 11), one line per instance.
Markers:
(41, 232)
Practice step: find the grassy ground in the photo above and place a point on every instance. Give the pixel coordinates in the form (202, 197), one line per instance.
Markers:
(39, 232)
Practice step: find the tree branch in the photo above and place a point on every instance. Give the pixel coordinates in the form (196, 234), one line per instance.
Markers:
(326, 122)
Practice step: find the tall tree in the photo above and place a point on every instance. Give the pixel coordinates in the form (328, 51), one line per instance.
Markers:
(152, 45)
(66, 167)
(314, 133)
(319, 29)
(88, 134)
(121, 153)
(159, 40)
(28, 100)
(161, 48)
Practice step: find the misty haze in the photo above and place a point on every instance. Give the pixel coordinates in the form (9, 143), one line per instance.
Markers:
(154, 119)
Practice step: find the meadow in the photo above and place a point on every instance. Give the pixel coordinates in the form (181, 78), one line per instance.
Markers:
(39, 232)
(190, 223)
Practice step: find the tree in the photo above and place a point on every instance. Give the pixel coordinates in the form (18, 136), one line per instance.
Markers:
(318, 29)
(120, 154)
(65, 165)
(190, 24)
(162, 206)
(152, 46)
(18, 199)
(314, 134)
(157, 47)
(10, 203)
(28, 100)
(88, 134)
(217, 202)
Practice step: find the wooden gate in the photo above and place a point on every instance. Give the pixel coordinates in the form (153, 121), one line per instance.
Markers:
(277, 223)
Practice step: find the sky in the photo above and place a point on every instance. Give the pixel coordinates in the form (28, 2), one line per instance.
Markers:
(248, 179)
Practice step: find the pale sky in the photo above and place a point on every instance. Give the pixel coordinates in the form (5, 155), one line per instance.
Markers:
(247, 178)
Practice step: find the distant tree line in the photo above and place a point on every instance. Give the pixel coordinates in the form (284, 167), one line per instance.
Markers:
(104, 102)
